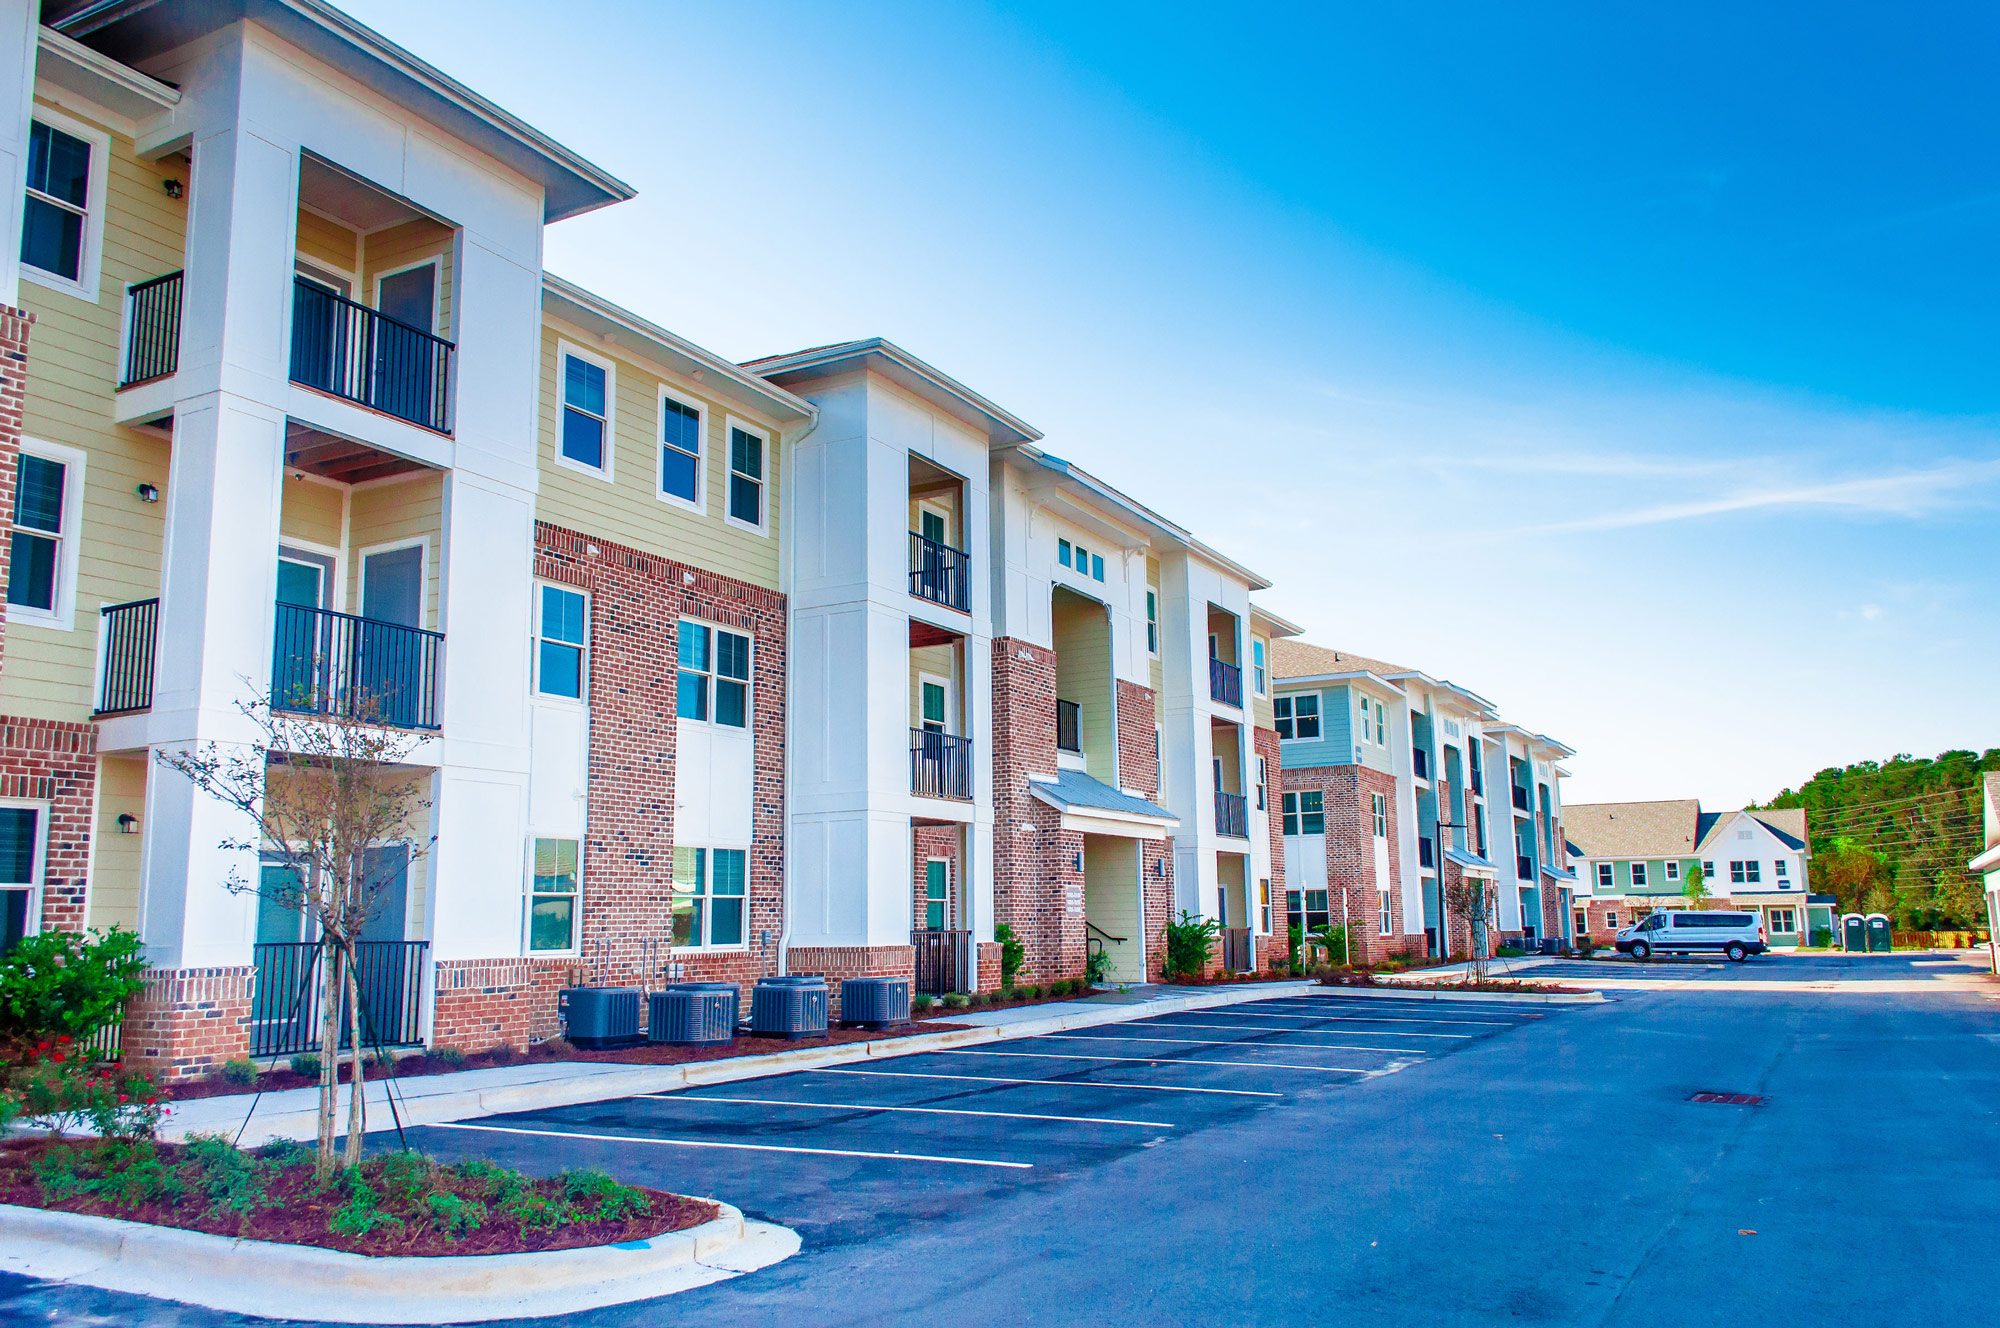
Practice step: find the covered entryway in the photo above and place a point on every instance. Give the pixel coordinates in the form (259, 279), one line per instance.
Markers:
(1115, 827)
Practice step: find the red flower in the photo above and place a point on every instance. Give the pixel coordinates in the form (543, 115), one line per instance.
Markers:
(41, 1046)
(123, 1098)
(152, 1102)
(62, 1039)
(56, 1058)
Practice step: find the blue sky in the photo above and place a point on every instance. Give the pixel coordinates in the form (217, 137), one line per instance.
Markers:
(1637, 372)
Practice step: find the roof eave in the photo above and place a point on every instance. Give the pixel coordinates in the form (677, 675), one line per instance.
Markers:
(1003, 428)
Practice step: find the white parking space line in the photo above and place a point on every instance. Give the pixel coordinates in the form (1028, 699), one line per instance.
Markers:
(745, 1148)
(1305, 1032)
(1345, 1018)
(1154, 1060)
(927, 1111)
(1246, 1043)
(1051, 1083)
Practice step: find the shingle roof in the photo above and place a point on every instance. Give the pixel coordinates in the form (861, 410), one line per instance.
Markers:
(1787, 823)
(1632, 829)
(1298, 659)
(1073, 788)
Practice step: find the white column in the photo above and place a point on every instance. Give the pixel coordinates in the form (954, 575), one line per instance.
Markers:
(19, 32)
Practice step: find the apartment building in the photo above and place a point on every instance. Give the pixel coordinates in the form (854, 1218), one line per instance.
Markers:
(1632, 858)
(1389, 803)
(1987, 863)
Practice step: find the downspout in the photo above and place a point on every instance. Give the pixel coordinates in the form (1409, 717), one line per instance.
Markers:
(788, 554)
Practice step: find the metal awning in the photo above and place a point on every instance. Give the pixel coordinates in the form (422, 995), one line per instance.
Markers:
(1092, 807)
(1471, 863)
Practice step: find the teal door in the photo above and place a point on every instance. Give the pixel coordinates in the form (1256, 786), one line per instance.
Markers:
(935, 887)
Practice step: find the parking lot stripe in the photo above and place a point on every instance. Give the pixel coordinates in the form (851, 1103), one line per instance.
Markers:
(1052, 1083)
(1247, 1044)
(928, 1111)
(746, 1148)
(1152, 1060)
(1347, 1018)
(1332, 1032)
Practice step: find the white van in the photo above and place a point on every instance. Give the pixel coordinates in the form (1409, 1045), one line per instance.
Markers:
(1678, 931)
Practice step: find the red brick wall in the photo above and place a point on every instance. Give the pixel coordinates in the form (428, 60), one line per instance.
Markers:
(1138, 741)
(1276, 944)
(186, 1022)
(839, 962)
(935, 841)
(1350, 853)
(484, 1003)
(1156, 861)
(46, 760)
(1035, 877)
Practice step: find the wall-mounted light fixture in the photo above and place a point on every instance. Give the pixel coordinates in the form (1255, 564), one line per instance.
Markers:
(148, 493)
(173, 188)
(128, 824)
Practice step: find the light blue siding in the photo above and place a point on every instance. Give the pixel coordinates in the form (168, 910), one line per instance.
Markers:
(1336, 742)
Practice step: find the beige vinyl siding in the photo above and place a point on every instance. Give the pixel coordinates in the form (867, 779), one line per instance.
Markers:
(397, 511)
(1260, 706)
(405, 246)
(313, 512)
(1158, 663)
(945, 500)
(1111, 902)
(115, 858)
(628, 509)
(1082, 633)
(73, 370)
(328, 243)
(940, 662)
(416, 833)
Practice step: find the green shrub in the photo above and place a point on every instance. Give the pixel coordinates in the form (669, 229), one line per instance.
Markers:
(242, 1070)
(232, 1179)
(601, 1198)
(134, 1174)
(62, 1091)
(306, 1064)
(454, 1216)
(1013, 953)
(1190, 942)
(1509, 952)
(56, 1175)
(1031, 992)
(1097, 969)
(62, 982)
(536, 1213)
(451, 1056)
(921, 1003)
(956, 1000)
(362, 1213)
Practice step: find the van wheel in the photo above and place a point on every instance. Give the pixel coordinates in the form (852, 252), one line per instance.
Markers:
(1641, 950)
(1737, 952)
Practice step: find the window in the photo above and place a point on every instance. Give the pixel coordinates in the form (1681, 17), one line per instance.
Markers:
(1153, 622)
(1082, 559)
(1296, 716)
(1062, 552)
(680, 450)
(1312, 812)
(552, 895)
(41, 576)
(1745, 873)
(1673, 870)
(713, 660)
(933, 702)
(1378, 810)
(1257, 665)
(1782, 867)
(1611, 920)
(707, 908)
(20, 873)
(1261, 773)
(1383, 902)
(62, 215)
(1783, 919)
(1317, 914)
(559, 656)
(1579, 922)
(1743, 834)
(1604, 876)
(586, 413)
(1638, 876)
(1264, 904)
(937, 875)
(746, 477)
(1708, 871)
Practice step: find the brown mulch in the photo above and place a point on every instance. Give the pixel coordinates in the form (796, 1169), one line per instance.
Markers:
(644, 1053)
(1491, 984)
(301, 1211)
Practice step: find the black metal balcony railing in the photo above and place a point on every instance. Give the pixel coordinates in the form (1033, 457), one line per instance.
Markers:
(943, 961)
(1232, 815)
(940, 573)
(1069, 727)
(284, 1000)
(1225, 682)
(131, 632)
(940, 765)
(1524, 867)
(337, 664)
(152, 329)
(1520, 798)
(351, 351)
(1420, 762)
(1236, 950)
(1426, 852)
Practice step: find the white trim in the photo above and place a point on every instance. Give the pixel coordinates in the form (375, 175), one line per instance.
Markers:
(435, 262)
(91, 260)
(950, 698)
(607, 472)
(349, 279)
(32, 922)
(708, 893)
(715, 677)
(762, 435)
(941, 511)
(62, 616)
(528, 950)
(699, 505)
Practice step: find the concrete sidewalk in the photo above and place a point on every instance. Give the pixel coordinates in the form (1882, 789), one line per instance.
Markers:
(468, 1094)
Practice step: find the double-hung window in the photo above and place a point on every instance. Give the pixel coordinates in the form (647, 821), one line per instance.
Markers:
(1707, 871)
(746, 477)
(1153, 622)
(1673, 869)
(553, 891)
(1782, 868)
(1611, 920)
(1604, 876)
(20, 873)
(1378, 809)
(714, 683)
(1264, 904)
(1746, 873)
(58, 229)
(41, 543)
(1296, 716)
(1638, 876)
(1318, 915)
(680, 450)
(1384, 900)
(586, 413)
(560, 644)
(1257, 665)
(1303, 813)
(709, 889)
(1262, 773)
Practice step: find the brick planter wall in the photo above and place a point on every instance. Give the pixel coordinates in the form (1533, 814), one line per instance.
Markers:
(186, 1022)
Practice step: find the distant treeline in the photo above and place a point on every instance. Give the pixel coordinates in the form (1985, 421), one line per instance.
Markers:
(1894, 836)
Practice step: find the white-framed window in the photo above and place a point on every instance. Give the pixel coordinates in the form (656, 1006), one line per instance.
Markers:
(1257, 670)
(1378, 814)
(1296, 717)
(21, 857)
(1604, 875)
(1260, 783)
(1782, 919)
(1264, 903)
(683, 425)
(62, 218)
(1579, 921)
(1152, 621)
(1638, 876)
(1611, 920)
(1382, 901)
(1303, 813)
(1673, 869)
(562, 642)
(748, 476)
(1748, 872)
(555, 889)
(1062, 552)
(1097, 567)
(1781, 868)
(1707, 871)
(43, 523)
(588, 387)
(710, 890)
(714, 684)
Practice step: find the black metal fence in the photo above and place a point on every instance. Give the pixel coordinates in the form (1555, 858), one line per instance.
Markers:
(940, 765)
(152, 329)
(943, 961)
(1225, 682)
(351, 351)
(940, 573)
(327, 663)
(131, 633)
(1236, 949)
(1069, 726)
(285, 999)
(1232, 814)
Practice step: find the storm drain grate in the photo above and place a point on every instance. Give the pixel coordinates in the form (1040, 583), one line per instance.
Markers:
(1730, 1099)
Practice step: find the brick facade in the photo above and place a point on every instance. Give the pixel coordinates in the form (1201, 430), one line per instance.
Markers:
(936, 841)
(1037, 886)
(1139, 772)
(185, 1023)
(53, 762)
(1276, 945)
(1353, 890)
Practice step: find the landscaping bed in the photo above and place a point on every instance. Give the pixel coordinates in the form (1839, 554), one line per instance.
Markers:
(399, 1204)
(1365, 978)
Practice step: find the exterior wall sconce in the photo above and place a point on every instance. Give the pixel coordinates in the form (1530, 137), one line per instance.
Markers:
(148, 493)
(1079, 864)
(128, 824)
(173, 188)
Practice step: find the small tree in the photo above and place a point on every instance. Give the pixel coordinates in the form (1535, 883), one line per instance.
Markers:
(320, 792)
(1013, 954)
(1694, 887)
(1468, 897)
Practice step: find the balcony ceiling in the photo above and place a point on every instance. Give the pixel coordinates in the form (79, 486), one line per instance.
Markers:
(332, 192)
(343, 459)
(929, 634)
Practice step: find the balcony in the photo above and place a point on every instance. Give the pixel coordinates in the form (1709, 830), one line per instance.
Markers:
(1524, 868)
(1069, 727)
(1225, 683)
(1520, 798)
(350, 351)
(130, 633)
(940, 765)
(1232, 815)
(390, 977)
(341, 666)
(152, 330)
(940, 573)
(1420, 763)
(1426, 853)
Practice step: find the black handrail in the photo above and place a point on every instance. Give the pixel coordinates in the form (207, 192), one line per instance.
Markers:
(284, 999)
(152, 329)
(1069, 726)
(338, 664)
(940, 573)
(131, 632)
(940, 765)
(1232, 814)
(1225, 682)
(352, 351)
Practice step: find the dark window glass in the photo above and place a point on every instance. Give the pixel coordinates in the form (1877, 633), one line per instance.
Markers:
(52, 239)
(746, 474)
(58, 165)
(680, 449)
(31, 576)
(38, 493)
(583, 412)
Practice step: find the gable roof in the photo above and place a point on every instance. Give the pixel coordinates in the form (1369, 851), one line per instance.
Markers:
(1301, 659)
(1632, 829)
(1787, 823)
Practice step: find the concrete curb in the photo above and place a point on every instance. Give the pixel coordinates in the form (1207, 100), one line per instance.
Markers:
(289, 1281)
(1407, 991)
(300, 1122)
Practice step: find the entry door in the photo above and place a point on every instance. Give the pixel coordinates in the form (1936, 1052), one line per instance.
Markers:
(321, 330)
(383, 975)
(404, 368)
(936, 886)
(299, 633)
(389, 659)
(282, 1011)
